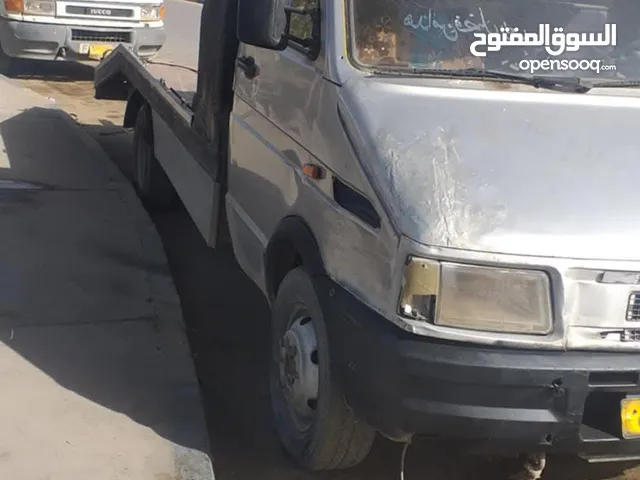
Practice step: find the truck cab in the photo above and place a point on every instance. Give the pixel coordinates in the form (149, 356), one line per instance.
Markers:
(439, 211)
(83, 31)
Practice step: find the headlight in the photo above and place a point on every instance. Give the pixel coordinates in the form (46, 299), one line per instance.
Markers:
(31, 7)
(39, 7)
(500, 300)
(152, 12)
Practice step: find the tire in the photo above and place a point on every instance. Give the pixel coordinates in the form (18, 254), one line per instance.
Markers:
(332, 437)
(151, 182)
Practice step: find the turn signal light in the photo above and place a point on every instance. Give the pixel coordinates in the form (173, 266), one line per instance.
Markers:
(312, 171)
(14, 6)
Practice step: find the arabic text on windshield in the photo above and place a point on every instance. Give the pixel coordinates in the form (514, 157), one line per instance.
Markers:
(594, 39)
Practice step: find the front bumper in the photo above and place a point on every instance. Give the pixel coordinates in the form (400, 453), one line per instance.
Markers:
(488, 399)
(41, 41)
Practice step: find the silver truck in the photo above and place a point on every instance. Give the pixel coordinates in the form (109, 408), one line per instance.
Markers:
(437, 200)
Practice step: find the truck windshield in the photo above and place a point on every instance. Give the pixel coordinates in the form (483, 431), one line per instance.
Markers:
(595, 40)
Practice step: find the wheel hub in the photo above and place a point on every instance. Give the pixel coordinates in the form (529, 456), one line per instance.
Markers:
(299, 370)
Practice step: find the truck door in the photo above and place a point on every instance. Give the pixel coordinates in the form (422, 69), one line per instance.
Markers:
(276, 97)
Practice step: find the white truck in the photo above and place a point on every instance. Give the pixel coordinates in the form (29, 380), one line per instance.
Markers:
(78, 30)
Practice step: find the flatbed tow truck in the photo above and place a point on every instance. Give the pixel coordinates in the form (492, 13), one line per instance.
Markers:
(360, 198)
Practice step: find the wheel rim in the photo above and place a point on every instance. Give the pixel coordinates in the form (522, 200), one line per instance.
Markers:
(299, 374)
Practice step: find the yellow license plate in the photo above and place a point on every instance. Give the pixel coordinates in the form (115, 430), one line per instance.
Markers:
(98, 52)
(630, 417)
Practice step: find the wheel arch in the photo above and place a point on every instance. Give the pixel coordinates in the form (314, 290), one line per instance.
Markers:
(135, 102)
(293, 244)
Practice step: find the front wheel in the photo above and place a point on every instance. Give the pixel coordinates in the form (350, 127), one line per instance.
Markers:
(315, 425)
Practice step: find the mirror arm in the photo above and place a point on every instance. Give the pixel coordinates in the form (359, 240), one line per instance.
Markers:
(310, 46)
(298, 11)
(316, 43)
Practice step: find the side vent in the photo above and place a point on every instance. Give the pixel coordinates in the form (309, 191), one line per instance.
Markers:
(355, 203)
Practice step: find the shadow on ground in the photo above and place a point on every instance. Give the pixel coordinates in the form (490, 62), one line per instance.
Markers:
(228, 324)
(84, 295)
(61, 71)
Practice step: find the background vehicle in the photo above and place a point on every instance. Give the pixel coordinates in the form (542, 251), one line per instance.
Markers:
(80, 30)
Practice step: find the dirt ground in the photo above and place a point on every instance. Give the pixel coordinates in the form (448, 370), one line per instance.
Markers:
(227, 319)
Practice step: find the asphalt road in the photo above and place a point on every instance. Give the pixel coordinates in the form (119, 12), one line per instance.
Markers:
(227, 317)
(182, 22)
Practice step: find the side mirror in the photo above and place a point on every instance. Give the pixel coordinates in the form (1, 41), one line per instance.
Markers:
(263, 23)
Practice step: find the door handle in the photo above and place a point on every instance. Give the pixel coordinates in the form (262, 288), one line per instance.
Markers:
(248, 66)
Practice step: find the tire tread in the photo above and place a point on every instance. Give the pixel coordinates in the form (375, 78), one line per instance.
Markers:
(158, 192)
(342, 441)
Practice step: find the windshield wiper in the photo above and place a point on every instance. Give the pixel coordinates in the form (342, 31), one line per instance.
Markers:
(550, 83)
(616, 84)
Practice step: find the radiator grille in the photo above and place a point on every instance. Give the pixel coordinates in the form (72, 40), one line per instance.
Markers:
(100, 12)
(633, 309)
(630, 335)
(96, 36)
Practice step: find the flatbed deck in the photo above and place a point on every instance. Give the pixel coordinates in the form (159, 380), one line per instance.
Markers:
(190, 161)
(123, 72)
(182, 80)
